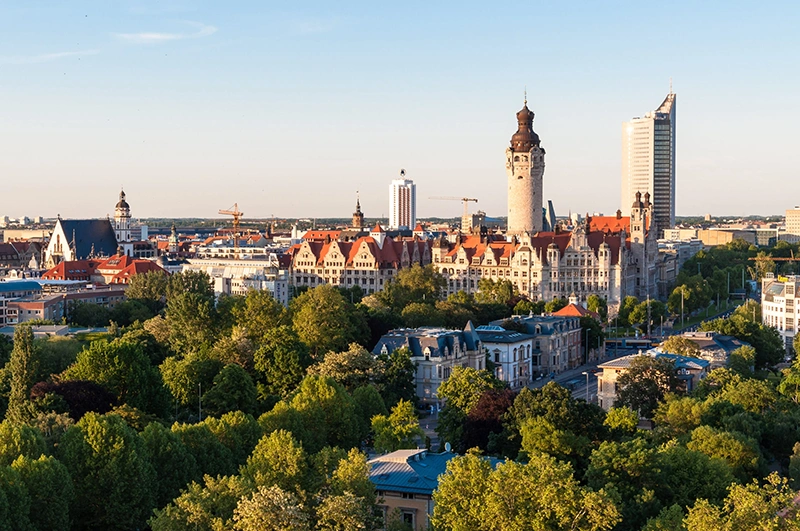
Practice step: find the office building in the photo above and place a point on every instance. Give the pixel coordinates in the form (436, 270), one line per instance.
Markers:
(780, 307)
(648, 162)
(402, 203)
(793, 221)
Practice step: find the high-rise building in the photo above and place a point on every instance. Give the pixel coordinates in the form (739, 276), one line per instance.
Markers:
(525, 169)
(402, 203)
(648, 162)
(793, 221)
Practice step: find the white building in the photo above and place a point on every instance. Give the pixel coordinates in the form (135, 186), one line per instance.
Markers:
(237, 277)
(793, 221)
(648, 161)
(780, 307)
(402, 203)
(525, 169)
(512, 354)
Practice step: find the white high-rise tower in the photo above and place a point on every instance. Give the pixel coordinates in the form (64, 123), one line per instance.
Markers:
(402, 203)
(648, 162)
(525, 169)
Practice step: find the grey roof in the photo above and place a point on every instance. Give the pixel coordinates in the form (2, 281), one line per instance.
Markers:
(414, 471)
(548, 324)
(498, 334)
(419, 339)
(88, 233)
(681, 362)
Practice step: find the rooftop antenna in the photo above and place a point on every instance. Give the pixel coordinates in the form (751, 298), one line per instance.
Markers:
(525, 101)
(670, 84)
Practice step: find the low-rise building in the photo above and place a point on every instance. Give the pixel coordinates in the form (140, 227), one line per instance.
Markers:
(556, 340)
(780, 307)
(55, 306)
(405, 481)
(238, 276)
(690, 371)
(512, 354)
(435, 351)
(714, 348)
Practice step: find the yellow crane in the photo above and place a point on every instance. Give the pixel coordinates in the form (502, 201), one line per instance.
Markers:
(237, 215)
(464, 200)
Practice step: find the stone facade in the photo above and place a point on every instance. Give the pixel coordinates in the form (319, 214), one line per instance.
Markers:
(368, 261)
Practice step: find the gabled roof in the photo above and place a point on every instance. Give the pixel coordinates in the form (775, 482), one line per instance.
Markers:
(72, 270)
(89, 234)
(576, 310)
(135, 268)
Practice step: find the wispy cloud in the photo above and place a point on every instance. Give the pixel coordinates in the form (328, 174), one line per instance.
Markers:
(203, 30)
(43, 58)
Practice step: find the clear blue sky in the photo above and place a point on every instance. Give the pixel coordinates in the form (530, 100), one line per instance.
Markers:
(288, 108)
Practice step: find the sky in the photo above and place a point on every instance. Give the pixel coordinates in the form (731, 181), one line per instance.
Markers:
(290, 108)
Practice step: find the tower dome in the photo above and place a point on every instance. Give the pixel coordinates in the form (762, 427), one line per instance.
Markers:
(122, 203)
(525, 138)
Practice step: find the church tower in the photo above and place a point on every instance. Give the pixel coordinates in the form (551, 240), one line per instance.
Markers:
(358, 216)
(122, 219)
(525, 169)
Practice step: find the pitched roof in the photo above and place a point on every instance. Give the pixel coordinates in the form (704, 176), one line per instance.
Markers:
(576, 310)
(97, 234)
(135, 268)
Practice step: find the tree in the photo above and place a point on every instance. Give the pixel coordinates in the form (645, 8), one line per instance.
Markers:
(643, 385)
(326, 322)
(186, 377)
(483, 427)
(471, 495)
(498, 292)
(625, 308)
(739, 451)
(742, 360)
(88, 314)
(209, 506)
(555, 305)
(233, 390)
(413, 284)
(19, 440)
(755, 396)
(400, 430)
(130, 311)
(748, 507)
(763, 264)
(55, 354)
(765, 339)
(80, 396)
(235, 348)
(416, 314)
(22, 369)
(260, 314)
(683, 346)
(277, 460)
(694, 294)
(344, 512)
(622, 420)
(598, 305)
(149, 289)
(399, 372)
(678, 415)
(212, 457)
(190, 316)
(540, 436)
(282, 359)
(114, 480)
(367, 402)
(49, 486)
(464, 387)
(688, 475)
(238, 432)
(172, 462)
(790, 383)
(15, 502)
(124, 369)
(639, 315)
(355, 367)
(271, 509)
(592, 334)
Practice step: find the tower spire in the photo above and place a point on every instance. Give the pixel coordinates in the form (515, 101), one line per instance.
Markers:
(525, 99)
(670, 84)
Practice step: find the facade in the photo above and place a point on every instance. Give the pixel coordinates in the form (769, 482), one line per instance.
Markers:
(780, 306)
(237, 277)
(610, 256)
(56, 306)
(512, 354)
(648, 161)
(80, 239)
(435, 351)
(122, 219)
(328, 257)
(402, 203)
(525, 170)
(793, 221)
(690, 371)
(556, 343)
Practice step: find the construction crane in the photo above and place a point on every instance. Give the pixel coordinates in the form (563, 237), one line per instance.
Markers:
(464, 200)
(776, 259)
(237, 215)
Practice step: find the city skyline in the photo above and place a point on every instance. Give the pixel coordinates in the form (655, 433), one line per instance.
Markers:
(289, 112)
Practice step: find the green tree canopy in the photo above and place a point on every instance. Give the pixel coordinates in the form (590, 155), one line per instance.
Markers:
(354, 367)
(233, 390)
(172, 462)
(270, 508)
(49, 486)
(643, 385)
(260, 314)
(22, 369)
(326, 322)
(282, 359)
(683, 346)
(110, 467)
(397, 431)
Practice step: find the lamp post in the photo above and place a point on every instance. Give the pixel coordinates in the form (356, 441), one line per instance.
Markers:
(586, 373)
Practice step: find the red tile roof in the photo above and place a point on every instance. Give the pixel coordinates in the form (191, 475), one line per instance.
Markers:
(575, 310)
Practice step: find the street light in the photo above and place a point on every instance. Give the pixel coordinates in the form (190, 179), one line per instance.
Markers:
(586, 373)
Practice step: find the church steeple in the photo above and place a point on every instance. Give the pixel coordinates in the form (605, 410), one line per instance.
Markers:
(358, 216)
(122, 219)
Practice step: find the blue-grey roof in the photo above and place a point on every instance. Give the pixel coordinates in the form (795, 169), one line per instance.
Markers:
(412, 471)
(89, 233)
(681, 362)
(439, 341)
(498, 334)
(547, 324)
(14, 286)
